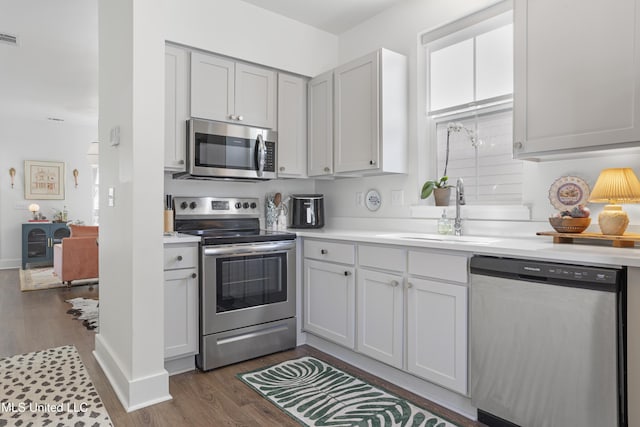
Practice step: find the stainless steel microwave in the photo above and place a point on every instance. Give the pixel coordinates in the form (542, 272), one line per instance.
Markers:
(217, 150)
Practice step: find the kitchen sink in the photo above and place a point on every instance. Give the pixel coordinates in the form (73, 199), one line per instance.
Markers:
(476, 240)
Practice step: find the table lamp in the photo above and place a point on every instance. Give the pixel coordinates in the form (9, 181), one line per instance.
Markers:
(34, 208)
(614, 186)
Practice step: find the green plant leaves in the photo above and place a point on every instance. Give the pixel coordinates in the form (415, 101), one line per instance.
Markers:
(427, 189)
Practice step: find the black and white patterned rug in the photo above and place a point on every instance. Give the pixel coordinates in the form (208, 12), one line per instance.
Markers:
(49, 388)
(85, 309)
(315, 393)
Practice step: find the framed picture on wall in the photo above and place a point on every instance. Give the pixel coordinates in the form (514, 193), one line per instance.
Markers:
(43, 180)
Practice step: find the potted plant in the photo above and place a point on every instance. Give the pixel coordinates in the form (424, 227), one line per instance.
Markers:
(440, 188)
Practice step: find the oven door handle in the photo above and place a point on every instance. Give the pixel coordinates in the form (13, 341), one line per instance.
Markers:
(250, 248)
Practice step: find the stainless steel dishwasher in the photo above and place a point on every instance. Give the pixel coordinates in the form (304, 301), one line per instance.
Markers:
(547, 344)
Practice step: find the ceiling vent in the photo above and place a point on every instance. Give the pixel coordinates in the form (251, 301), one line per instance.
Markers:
(9, 39)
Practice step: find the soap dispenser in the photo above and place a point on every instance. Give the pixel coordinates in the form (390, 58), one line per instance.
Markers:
(444, 224)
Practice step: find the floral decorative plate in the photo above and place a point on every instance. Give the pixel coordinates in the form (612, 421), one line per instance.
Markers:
(567, 192)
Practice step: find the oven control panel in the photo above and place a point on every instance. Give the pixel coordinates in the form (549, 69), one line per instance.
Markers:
(192, 206)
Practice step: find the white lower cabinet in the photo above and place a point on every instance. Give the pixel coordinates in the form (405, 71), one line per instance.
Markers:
(380, 302)
(407, 307)
(329, 301)
(180, 308)
(437, 332)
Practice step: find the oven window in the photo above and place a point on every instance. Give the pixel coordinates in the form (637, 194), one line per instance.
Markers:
(224, 152)
(251, 281)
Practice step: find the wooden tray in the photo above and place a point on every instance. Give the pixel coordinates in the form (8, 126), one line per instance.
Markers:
(627, 240)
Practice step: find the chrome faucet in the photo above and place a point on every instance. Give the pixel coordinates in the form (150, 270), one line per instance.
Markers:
(457, 224)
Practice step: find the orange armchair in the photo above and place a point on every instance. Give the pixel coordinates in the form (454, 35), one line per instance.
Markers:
(76, 257)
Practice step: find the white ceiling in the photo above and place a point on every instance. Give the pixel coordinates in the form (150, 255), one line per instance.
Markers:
(53, 72)
(333, 16)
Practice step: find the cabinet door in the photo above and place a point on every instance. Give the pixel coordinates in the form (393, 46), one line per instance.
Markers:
(212, 87)
(577, 75)
(35, 244)
(255, 96)
(380, 316)
(437, 332)
(292, 126)
(176, 107)
(320, 146)
(357, 114)
(329, 301)
(180, 313)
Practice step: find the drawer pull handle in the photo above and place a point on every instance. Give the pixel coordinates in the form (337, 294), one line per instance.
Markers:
(327, 169)
(324, 251)
(347, 273)
(372, 162)
(394, 283)
(409, 285)
(179, 257)
(194, 275)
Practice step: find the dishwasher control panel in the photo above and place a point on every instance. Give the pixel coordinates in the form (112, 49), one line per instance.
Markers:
(571, 272)
(573, 275)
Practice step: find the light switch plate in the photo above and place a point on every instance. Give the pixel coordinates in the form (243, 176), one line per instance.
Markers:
(114, 136)
(111, 197)
(359, 198)
(397, 197)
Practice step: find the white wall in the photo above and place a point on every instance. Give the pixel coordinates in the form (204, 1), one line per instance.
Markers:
(40, 139)
(130, 345)
(245, 31)
(398, 29)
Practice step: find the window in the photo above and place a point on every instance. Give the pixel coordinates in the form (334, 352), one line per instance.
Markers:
(469, 81)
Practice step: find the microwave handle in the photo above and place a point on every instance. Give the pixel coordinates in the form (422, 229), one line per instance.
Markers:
(261, 155)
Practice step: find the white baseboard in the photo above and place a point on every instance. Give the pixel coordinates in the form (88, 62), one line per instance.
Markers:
(180, 365)
(133, 394)
(7, 264)
(441, 396)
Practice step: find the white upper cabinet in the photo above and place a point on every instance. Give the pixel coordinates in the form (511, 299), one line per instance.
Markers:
(320, 132)
(292, 126)
(577, 76)
(370, 114)
(212, 87)
(255, 96)
(234, 92)
(176, 107)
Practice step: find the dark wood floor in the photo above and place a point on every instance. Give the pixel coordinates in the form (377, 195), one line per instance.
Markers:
(38, 320)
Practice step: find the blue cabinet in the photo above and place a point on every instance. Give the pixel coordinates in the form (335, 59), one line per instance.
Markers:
(38, 240)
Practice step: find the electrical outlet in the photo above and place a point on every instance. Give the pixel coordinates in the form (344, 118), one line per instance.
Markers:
(397, 197)
(359, 199)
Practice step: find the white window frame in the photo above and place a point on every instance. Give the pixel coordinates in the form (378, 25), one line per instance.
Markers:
(459, 30)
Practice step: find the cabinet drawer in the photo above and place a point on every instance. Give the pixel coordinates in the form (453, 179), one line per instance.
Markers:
(330, 251)
(384, 258)
(439, 266)
(180, 256)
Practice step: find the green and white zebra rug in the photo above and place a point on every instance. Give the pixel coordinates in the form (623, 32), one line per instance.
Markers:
(317, 394)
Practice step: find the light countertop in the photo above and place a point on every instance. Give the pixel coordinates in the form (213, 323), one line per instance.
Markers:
(535, 247)
(180, 238)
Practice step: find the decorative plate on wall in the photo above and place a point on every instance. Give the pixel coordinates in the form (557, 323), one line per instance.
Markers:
(568, 191)
(373, 200)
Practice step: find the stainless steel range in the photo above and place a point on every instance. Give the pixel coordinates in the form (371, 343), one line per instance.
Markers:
(247, 280)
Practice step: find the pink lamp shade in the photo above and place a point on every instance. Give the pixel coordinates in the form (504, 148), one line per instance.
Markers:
(614, 186)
